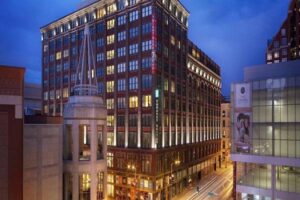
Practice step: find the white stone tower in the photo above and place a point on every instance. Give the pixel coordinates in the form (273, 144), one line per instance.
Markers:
(85, 169)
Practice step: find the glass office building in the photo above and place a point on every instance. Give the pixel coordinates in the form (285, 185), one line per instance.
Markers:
(266, 132)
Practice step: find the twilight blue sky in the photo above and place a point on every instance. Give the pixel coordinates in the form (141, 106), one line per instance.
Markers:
(232, 32)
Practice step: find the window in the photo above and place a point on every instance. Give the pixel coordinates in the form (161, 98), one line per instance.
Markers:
(121, 103)
(146, 11)
(146, 119)
(110, 162)
(146, 28)
(110, 120)
(133, 32)
(172, 86)
(101, 13)
(121, 51)
(121, 67)
(133, 83)
(146, 81)
(66, 66)
(110, 24)
(110, 54)
(58, 55)
(110, 69)
(132, 2)
(146, 46)
(100, 185)
(100, 72)
(121, 36)
(134, 15)
(133, 65)
(100, 87)
(58, 94)
(84, 142)
(133, 49)
(133, 102)
(84, 186)
(132, 120)
(100, 42)
(99, 57)
(146, 62)
(45, 96)
(110, 103)
(66, 53)
(121, 120)
(110, 39)
(132, 139)
(121, 20)
(67, 140)
(121, 85)
(110, 86)
(111, 8)
(146, 101)
(65, 92)
(100, 27)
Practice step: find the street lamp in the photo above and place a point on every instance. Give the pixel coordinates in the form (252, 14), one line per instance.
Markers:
(176, 162)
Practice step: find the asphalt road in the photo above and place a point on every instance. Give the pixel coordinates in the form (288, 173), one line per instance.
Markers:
(217, 186)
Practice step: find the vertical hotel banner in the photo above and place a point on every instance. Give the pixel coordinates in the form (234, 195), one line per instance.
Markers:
(242, 118)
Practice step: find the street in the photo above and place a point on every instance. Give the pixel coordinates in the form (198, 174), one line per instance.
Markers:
(215, 186)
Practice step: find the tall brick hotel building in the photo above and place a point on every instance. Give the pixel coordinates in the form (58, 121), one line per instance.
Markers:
(162, 92)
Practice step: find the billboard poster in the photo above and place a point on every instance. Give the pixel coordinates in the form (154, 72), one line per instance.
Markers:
(243, 132)
(242, 95)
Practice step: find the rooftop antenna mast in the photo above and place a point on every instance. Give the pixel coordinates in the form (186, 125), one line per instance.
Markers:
(86, 81)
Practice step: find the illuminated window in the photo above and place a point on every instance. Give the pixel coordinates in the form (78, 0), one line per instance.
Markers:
(110, 39)
(110, 103)
(110, 69)
(172, 40)
(121, 36)
(46, 110)
(110, 120)
(58, 94)
(133, 65)
(84, 142)
(110, 86)
(58, 55)
(51, 94)
(110, 24)
(269, 56)
(110, 138)
(100, 185)
(133, 49)
(121, 51)
(84, 186)
(65, 92)
(66, 53)
(146, 11)
(99, 57)
(121, 20)
(110, 54)
(133, 102)
(146, 101)
(132, 2)
(121, 85)
(110, 163)
(134, 15)
(133, 83)
(121, 103)
(101, 13)
(45, 96)
(146, 45)
(121, 67)
(166, 85)
(172, 86)
(111, 8)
